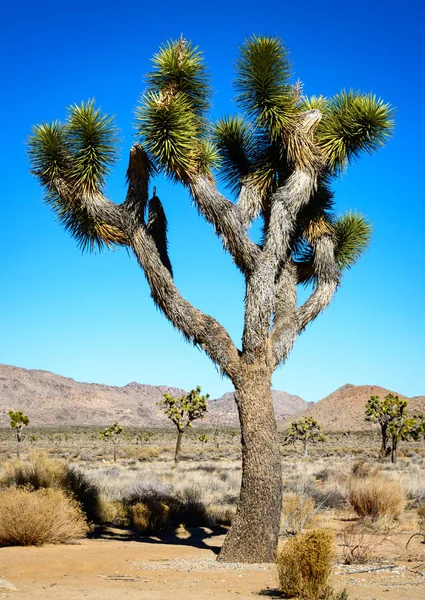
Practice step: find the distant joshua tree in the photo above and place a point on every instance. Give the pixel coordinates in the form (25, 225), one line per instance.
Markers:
(18, 421)
(203, 439)
(393, 420)
(112, 433)
(305, 430)
(183, 411)
(279, 157)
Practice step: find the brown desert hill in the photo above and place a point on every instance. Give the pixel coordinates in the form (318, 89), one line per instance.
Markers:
(344, 409)
(51, 399)
(223, 410)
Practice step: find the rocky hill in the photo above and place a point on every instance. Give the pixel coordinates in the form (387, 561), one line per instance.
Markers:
(344, 408)
(51, 399)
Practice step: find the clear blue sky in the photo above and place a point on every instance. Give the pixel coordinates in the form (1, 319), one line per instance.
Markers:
(90, 317)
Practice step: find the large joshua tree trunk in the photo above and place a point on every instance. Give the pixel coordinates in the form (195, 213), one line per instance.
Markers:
(255, 528)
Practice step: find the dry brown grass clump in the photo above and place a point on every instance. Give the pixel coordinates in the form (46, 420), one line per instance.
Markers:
(304, 565)
(376, 496)
(32, 518)
(149, 517)
(41, 472)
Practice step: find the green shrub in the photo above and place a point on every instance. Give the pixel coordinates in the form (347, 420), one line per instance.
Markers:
(34, 517)
(304, 565)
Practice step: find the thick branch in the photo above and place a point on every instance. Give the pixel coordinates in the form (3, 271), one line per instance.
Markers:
(227, 221)
(286, 203)
(249, 204)
(327, 282)
(198, 328)
(285, 327)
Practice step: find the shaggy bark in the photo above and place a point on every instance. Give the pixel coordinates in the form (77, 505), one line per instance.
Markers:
(255, 528)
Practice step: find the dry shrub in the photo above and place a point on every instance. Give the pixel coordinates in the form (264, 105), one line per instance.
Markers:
(376, 496)
(149, 517)
(41, 472)
(32, 518)
(38, 472)
(113, 511)
(304, 565)
(359, 543)
(363, 468)
(298, 512)
(184, 507)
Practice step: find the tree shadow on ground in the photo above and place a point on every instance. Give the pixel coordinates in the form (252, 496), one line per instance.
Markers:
(271, 593)
(195, 537)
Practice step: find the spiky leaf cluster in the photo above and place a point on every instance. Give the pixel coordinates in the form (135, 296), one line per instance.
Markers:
(184, 410)
(71, 160)
(171, 116)
(353, 123)
(353, 233)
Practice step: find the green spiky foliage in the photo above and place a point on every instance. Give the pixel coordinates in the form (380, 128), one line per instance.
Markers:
(391, 414)
(305, 430)
(72, 160)
(182, 411)
(353, 233)
(112, 434)
(353, 123)
(18, 420)
(171, 116)
(264, 93)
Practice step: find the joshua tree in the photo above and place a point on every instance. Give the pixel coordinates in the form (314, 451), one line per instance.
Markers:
(18, 421)
(305, 430)
(203, 439)
(183, 411)
(395, 425)
(279, 159)
(112, 433)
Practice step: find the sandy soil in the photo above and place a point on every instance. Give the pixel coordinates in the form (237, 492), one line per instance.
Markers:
(177, 569)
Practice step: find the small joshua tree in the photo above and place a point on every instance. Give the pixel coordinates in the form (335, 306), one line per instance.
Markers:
(305, 430)
(112, 433)
(183, 411)
(390, 413)
(203, 439)
(18, 421)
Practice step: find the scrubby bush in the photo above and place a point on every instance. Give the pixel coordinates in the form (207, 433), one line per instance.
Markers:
(41, 472)
(150, 510)
(376, 496)
(38, 472)
(85, 492)
(148, 517)
(304, 565)
(34, 517)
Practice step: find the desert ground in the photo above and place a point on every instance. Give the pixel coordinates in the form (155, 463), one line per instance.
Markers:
(373, 560)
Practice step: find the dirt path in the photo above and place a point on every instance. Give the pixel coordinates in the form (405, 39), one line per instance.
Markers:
(152, 570)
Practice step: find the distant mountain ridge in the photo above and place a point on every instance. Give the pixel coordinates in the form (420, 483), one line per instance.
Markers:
(51, 399)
